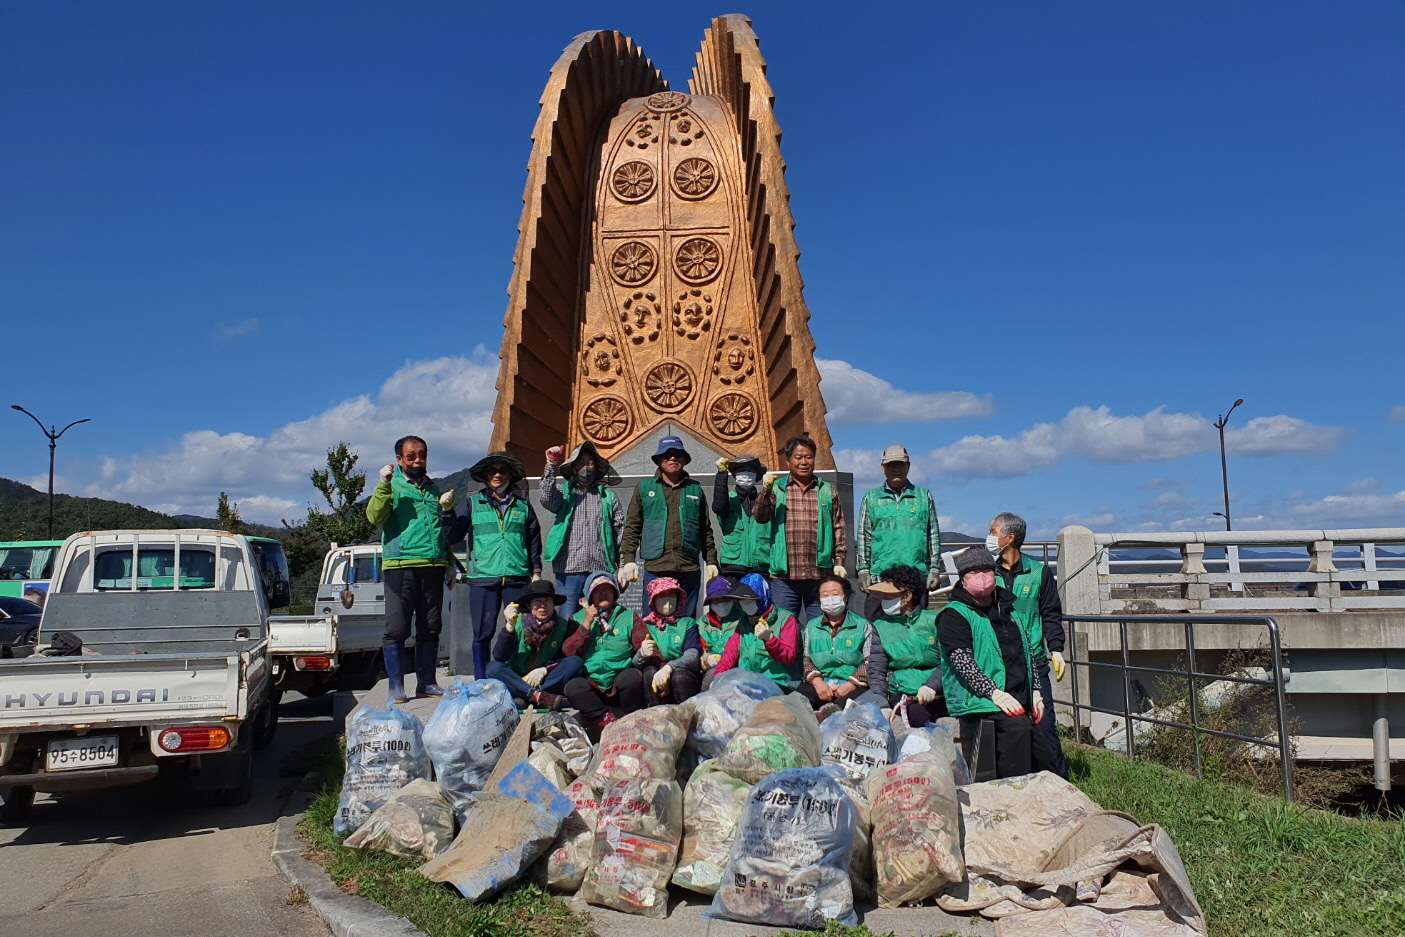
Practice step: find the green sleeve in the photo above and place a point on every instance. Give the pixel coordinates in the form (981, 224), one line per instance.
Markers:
(378, 508)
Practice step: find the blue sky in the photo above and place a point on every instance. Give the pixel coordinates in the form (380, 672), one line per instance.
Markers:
(1056, 239)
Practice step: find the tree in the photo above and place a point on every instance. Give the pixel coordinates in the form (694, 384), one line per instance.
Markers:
(341, 485)
(227, 516)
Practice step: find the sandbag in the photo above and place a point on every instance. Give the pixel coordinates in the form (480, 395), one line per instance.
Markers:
(569, 735)
(712, 805)
(570, 852)
(384, 752)
(721, 710)
(789, 865)
(416, 823)
(916, 829)
(636, 845)
(642, 746)
(939, 741)
(466, 735)
(781, 734)
(859, 739)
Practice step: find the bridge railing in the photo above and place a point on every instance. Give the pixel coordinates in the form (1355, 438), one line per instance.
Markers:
(1188, 715)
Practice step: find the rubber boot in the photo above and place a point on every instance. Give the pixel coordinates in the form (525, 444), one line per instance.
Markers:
(426, 657)
(395, 672)
(480, 659)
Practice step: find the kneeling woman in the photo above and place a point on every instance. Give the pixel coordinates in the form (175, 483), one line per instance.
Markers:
(836, 648)
(669, 655)
(767, 641)
(987, 668)
(527, 655)
(904, 663)
(607, 637)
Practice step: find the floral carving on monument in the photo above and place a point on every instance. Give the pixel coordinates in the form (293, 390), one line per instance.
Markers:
(684, 129)
(600, 361)
(667, 101)
(735, 360)
(642, 318)
(633, 181)
(633, 263)
(643, 134)
(694, 178)
(606, 419)
(692, 313)
(733, 415)
(669, 385)
(697, 260)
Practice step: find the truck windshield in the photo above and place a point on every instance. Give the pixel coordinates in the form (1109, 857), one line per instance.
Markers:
(156, 569)
(25, 562)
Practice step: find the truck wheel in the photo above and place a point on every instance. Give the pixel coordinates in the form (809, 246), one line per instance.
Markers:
(265, 721)
(18, 800)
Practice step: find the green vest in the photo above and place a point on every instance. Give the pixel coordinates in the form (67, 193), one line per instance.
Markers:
(670, 638)
(752, 654)
(911, 648)
(499, 539)
(653, 501)
(528, 658)
(714, 637)
(746, 542)
(556, 539)
(836, 656)
(414, 530)
(824, 533)
(607, 652)
(898, 528)
(1025, 586)
(985, 648)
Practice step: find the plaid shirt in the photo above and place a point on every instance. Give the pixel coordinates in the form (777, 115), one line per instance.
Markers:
(584, 551)
(802, 512)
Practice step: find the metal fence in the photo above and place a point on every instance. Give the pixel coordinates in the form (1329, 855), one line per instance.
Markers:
(1124, 669)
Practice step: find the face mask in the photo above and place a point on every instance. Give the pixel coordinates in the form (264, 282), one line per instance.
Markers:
(749, 606)
(586, 477)
(723, 607)
(893, 606)
(992, 543)
(980, 585)
(746, 480)
(832, 604)
(666, 605)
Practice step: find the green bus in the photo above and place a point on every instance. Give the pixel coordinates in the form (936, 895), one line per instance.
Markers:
(26, 566)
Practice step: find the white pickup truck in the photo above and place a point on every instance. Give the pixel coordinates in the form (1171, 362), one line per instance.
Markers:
(172, 675)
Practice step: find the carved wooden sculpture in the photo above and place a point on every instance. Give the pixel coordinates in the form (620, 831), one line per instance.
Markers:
(656, 277)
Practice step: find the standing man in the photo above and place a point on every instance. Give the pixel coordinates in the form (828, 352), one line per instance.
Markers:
(809, 541)
(410, 512)
(668, 526)
(746, 541)
(589, 519)
(504, 549)
(897, 527)
(1039, 612)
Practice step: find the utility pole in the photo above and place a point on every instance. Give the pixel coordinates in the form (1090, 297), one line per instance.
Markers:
(53, 444)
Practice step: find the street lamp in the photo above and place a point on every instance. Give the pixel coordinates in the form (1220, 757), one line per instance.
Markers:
(53, 444)
(1224, 470)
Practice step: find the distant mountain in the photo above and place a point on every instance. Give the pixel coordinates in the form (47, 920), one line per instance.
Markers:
(24, 515)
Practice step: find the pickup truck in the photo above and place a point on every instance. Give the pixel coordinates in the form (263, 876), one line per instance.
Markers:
(152, 659)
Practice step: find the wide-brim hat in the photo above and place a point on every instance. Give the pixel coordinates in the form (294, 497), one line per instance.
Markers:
(540, 589)
(604, 471)
(882, 587)
(479, 471)
(668, 443)
(746, 463)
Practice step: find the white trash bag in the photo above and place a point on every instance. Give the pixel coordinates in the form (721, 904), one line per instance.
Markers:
(466, 735)
(636, 846)
(416, 823)
(384, 752)
(858, 739)
(916, 829)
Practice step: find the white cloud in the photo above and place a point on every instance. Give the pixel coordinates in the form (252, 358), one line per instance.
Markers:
(239, 329)
(996, 456)
(1397, 413)
(856, 397)
(1100, 436)
(1277, 435)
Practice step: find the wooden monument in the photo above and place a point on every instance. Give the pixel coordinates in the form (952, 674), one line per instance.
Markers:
(656, 284)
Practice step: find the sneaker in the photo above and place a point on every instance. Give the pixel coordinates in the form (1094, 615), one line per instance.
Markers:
(521, 704)
(549, 701)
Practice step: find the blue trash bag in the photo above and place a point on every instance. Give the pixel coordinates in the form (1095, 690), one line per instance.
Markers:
(723, 708)
(384, 752)
(858, 739)
(466, 735)
(936, 738)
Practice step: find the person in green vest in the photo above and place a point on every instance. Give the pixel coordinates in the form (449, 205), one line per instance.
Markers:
(529, 656)
(988, 668)
(767, 641)
(504, 548)
(415, 537)
(809, 540)
(585, 535)
(746, 541)
(669, 656)
(904, 663)
(836, 647)
(717, 623)
(1039, 612)
(897, 526)
(668, 526)
(606, 640)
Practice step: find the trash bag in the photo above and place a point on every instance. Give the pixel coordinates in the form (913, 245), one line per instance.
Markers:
(721, 710)
(712, 805)
(937, 739)
(858, 739)
(642, 746)
(384, 752)
(466, 735)
(636, 845)
(861, 862)
(916, 829)
(569, 735)
(551, 762)
(501, 837)
(789, 865)
(570, 852)
(416, 823)
(781, 734)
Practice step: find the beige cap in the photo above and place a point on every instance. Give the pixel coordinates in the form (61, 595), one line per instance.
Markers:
(894, 454)
(882, 587)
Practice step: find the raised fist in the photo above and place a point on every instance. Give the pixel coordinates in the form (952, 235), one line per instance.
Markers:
(448, 499)
(386, 472)
(723, 464)
(555, 454)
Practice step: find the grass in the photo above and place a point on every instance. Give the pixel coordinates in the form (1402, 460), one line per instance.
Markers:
(1260, 866)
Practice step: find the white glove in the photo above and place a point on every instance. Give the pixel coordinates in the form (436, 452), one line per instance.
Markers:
(661, 678)
(865, 579)
(386, 472)
(648, 648)
(1056, 662)
(554, 455)
(925, 694)
(535, 677)
(934, 579)
(723, 464)
(1038, 709)
(448, 499)
(509, 615)
(771, 478)
(1007, 703)
(711, 572)
(628, 573)
(710, 660)
(841, 572)
(536, 575)
(763, 630)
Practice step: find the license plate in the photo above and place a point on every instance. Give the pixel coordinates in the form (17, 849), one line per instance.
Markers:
(99, 751)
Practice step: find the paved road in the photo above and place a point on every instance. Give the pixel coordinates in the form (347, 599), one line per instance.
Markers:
(144, 859)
